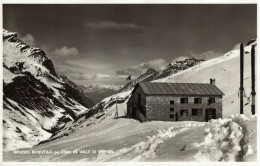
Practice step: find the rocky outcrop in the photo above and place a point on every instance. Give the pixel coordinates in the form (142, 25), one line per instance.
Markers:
(178, 66)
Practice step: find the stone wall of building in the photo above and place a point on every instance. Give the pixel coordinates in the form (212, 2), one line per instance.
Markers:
(158, 108)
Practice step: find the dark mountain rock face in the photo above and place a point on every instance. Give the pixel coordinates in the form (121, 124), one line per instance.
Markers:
(77, 93)
(37, 103)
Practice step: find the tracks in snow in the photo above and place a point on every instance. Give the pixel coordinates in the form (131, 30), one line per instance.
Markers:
(146, 149)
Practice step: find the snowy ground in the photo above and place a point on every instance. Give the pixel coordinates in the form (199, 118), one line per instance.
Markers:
(129, 140)
(103, 138)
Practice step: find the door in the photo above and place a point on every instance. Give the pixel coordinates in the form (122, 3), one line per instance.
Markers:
(139, 100)
(140, 108)
(134, 112)
(176, 117)
(210, 114)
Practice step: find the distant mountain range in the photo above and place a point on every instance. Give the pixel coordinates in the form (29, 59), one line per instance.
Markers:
(99, 92)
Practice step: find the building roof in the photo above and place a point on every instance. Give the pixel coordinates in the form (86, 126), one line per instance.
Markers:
(158, 88)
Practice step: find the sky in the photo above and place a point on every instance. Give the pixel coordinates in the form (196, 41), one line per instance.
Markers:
(102, 44)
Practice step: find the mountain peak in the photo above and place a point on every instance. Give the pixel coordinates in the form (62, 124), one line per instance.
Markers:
(151, 70)
(17, 51)
(178, 66)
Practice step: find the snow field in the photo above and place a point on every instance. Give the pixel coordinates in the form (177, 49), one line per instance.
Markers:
(147, 148)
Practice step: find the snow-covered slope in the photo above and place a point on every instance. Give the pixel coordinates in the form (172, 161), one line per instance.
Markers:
(37, 103)
(231, 139)
(104, 110)
(226, 70)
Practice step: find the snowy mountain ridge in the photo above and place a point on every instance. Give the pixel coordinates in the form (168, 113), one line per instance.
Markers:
(172, 68)
(37, 103)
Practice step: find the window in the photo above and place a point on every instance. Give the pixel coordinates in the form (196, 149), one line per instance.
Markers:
(171, 101)
(197, 100)
(184, 100)
(211, 100)
(196, 112)
(172, 116)
(171, 109)
(184, 112)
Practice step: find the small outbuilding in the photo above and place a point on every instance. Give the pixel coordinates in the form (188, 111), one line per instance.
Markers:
(175, 101)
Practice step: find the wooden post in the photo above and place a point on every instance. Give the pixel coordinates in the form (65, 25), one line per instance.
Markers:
(241, 78)
(116, 114)
(253, 79)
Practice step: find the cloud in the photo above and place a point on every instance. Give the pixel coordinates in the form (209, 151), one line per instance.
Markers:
(65, 51)
(157, 64)
(110, 25)
(89, 64)
(28, 39)
(206, 55)
(85, 76)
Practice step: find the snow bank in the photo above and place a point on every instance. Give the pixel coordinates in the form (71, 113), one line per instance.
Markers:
(228, 140)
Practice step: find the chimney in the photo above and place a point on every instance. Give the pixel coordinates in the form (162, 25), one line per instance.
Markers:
(212, 81)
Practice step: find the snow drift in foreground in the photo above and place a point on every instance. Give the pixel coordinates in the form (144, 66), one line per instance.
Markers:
(231, 139)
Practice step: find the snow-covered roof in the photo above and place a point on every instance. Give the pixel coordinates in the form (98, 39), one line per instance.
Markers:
(159, 88)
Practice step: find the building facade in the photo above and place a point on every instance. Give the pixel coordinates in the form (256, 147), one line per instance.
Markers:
(175, 102)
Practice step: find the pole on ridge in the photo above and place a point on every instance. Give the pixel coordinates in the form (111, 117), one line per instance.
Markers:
(253, 79)
(241, 89)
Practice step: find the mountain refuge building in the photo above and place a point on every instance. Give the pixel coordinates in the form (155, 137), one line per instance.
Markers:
(175, 101)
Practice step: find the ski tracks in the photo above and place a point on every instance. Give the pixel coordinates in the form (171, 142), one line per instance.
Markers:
(146, 149)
